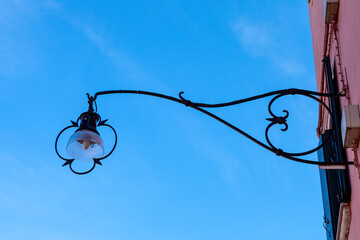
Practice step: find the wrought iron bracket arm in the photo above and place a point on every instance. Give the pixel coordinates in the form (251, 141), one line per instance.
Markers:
(282, 120)
(292, 91)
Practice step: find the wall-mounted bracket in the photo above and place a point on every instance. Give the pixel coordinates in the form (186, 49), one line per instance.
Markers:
(350, 126)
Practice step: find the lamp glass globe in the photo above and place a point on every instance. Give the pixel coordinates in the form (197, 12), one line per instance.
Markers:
(85, 145)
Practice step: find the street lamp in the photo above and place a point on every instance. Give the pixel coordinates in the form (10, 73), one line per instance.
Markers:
(87, 145)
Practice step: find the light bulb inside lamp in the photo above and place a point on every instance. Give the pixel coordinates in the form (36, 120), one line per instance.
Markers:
(85, 145)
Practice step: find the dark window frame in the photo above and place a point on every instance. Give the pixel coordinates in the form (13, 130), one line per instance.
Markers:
(334, 183)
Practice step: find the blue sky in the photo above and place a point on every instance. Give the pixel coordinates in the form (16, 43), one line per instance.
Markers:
(176, 174)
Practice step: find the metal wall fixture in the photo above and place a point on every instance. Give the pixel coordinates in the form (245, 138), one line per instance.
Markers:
(87, 145)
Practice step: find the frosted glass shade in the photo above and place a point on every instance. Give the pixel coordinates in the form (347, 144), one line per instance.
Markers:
(85, 145)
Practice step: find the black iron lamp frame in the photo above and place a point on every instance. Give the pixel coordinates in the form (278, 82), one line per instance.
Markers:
(274, 120)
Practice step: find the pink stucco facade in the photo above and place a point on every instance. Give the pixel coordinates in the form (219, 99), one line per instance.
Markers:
(348, 34)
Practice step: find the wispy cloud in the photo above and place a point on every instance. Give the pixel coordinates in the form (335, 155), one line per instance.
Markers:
(118, 58)
(257, 40)
(51, 4)
(230, 168)
(125, 63)
(18, 12)
(15, 52)
(291, 67)
(254, 37)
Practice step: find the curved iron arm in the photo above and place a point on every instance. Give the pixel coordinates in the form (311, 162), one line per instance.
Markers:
(97, 160)
(274, 120)
(67, 160)
(292, 91)
(82, 173)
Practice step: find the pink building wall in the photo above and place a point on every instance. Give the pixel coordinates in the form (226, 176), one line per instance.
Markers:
(348, 33)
